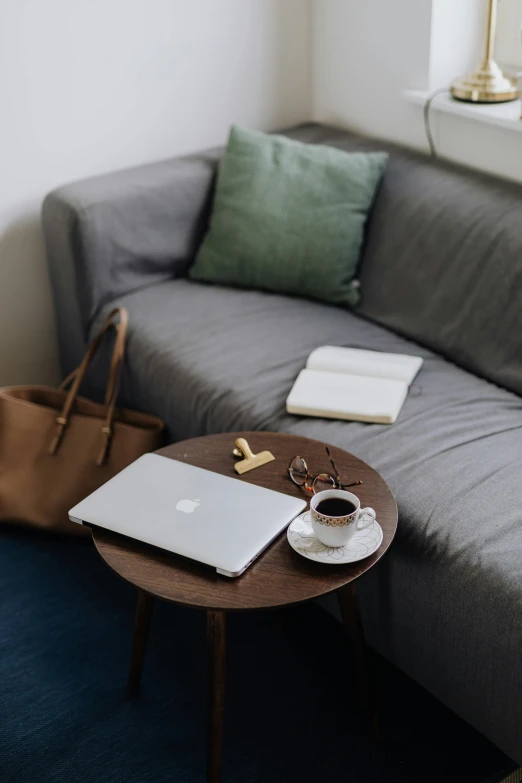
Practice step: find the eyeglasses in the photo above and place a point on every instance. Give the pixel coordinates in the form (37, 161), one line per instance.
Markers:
(300, 475)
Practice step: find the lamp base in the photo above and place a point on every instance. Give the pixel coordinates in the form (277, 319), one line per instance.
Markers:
(487, 85)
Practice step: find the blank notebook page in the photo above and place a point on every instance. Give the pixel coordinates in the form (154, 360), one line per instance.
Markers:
(355, 361)
(340, 396)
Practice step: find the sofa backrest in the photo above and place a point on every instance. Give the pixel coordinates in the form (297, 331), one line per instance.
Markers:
(442, 262)
(443, 265)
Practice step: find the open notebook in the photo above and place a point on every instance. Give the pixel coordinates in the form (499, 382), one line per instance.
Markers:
(348, 383)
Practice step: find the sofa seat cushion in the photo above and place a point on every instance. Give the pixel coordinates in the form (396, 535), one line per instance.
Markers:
(446, 604)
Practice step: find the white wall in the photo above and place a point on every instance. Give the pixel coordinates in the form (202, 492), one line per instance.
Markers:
(87, 87)
(458, 31)
(366, 54)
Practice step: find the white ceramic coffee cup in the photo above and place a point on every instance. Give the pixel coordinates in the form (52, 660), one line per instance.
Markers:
(337, 531)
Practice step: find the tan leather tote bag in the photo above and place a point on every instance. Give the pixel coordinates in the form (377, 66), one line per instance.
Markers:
(56, 447)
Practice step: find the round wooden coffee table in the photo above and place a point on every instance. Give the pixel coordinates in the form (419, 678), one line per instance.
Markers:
(279, 577)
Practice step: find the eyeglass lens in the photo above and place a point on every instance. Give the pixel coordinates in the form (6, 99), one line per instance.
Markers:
(298, 471)
(323, 481)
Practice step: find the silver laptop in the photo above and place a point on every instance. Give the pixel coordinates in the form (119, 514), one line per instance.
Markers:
(221, 521)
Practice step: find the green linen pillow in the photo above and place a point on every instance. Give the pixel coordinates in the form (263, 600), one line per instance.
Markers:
(289, 217)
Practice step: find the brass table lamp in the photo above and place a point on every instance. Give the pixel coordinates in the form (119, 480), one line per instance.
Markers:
(488, 84)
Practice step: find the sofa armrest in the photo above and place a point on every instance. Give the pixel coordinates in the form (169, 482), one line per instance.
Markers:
(115, 233)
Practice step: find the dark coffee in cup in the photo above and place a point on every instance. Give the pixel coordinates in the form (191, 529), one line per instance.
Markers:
(335, 507)
(336, 516)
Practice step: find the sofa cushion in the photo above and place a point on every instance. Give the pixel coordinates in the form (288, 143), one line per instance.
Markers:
(288, 217)
(446, 603)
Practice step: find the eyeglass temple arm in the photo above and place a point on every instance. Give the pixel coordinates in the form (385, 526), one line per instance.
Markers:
(353, 484)
(333, 466)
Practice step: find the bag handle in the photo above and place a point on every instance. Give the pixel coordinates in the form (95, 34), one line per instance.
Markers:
(117, 354)
(113, 383)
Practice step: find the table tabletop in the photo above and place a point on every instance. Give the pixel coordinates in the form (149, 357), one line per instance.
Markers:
(279, 576)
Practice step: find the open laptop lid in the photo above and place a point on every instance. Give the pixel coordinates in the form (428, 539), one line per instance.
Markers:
(218, 520)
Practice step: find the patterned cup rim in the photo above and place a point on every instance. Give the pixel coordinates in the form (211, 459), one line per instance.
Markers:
(345, 520)
(333, 521)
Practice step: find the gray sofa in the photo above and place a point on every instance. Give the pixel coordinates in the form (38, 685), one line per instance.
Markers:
(441, 276)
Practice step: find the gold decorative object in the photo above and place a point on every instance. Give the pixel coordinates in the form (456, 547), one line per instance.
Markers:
(250, 460)
(488, 84)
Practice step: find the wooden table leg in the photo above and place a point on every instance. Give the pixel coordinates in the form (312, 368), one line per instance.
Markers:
(216, 651)
(352, 622)
(139, 645)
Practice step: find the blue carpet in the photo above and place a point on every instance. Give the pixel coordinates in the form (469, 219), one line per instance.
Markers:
(65, 631)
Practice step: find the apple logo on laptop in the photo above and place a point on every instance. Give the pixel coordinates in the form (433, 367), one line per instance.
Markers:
(187, 506)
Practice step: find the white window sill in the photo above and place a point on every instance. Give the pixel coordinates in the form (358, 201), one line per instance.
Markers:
(503, 115)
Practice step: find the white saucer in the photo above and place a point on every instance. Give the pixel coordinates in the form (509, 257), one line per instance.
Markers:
(302, 538)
